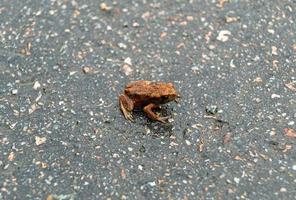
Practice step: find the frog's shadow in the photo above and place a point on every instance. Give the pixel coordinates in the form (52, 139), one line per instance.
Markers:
(158, 129)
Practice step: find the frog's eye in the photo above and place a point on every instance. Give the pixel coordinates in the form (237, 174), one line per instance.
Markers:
(164, 98)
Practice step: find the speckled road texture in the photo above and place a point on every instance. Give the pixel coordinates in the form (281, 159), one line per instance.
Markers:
(231, 136)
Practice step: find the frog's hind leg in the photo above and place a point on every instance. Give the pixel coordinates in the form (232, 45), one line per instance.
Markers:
(152, 115)
(126, 106)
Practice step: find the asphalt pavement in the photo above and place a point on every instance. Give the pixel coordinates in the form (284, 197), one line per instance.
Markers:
(232, 135)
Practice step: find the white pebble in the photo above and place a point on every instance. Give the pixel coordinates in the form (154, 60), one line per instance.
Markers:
(273, 96)
(127, 70)
(36, 85)
(237, 180)
(128, 61)
(223, 35)
(122, 45)
(140, 167)
(14, 91)
(152, 183)
(188, 142)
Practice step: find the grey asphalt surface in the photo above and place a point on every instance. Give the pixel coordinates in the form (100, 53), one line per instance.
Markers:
(231, 136)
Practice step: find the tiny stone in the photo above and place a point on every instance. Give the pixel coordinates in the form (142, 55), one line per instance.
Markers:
(40, 140)
(105, 7)
(36, 85)
(211, 47)
(127, 70)
(294, 167)
(122, 45)
(274, 50)
(223, 35)
(273, 96)
(72, 73)
(189, 18)
(33, 108)
(188, 142)
(231, 19)
(130, 149)
(128, 61)
(145, 15)
(283, 189)
(272, 133)
(195, 68)
(232, 65)
(170, 120)
(14, 91)
(258, 100)
(270, 31)
(136, 24)
(212, 109)
(152, 183)
(11, 156)
(87, 69)
(258, 80)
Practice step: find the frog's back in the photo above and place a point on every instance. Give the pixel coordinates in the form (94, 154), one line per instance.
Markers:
(138, 88)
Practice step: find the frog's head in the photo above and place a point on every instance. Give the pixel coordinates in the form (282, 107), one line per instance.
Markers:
(168, 93)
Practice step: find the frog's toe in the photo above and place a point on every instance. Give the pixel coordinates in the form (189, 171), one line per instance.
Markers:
(127, 115)
(130, 116)
(163, 119)
(126, 107)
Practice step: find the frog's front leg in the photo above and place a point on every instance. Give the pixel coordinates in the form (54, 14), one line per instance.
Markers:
(126, 106)
(152, 115)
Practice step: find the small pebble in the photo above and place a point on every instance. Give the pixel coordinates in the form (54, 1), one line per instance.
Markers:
(14, 91)
(105, 7)
(188, 142)
(212, 109)
(274, 50)
(128, 61)
(231, 19)
(40, 140)
(136, 24)
(122, 45)
(237, 180)
(36, 85)
(271, 31)
(223, 35)
(127, 70)
(258, 80)
(273, 96)
(87, 69)
(140, 167)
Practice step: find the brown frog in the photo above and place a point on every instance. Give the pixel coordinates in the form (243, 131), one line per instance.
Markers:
(146, 95)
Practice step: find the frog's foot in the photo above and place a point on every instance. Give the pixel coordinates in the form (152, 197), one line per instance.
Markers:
(126, 107)
(152, 115)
